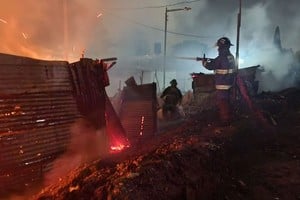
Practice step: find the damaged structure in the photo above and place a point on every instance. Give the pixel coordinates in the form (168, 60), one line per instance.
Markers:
(138, 105)
(39, 100)
(203, 86)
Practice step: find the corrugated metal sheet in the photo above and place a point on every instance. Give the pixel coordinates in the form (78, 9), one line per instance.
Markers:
(38, 103)
(89, 90)
(138, 111)
(204, 85)
(203, 82)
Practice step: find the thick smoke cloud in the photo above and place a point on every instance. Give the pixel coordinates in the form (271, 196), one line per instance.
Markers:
(65, 29)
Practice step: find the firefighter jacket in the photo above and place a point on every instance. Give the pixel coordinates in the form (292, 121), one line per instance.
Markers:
(223, 66)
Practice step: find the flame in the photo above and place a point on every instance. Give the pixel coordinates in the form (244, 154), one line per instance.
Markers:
(41, 36)
(99, 15)
(118, 145)
(118, 142)
(118, 148)
(24, 36)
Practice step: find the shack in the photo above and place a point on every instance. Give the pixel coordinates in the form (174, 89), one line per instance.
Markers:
(39, 100)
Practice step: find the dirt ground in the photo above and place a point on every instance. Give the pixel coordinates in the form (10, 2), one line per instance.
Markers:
(257, 157)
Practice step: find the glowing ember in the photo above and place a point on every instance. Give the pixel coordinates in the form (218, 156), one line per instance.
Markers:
(142, 125)
(99, 15)
(24, 36)
(117, 141)
(118, 148)
(3, 21)
(115, 130)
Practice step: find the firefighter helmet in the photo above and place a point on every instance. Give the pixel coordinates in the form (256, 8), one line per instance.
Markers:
(224, 42)
(173, 82)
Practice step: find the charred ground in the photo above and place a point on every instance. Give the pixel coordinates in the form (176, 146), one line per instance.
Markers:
(196, 159)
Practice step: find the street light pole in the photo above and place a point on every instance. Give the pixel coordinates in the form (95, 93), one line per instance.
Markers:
(165, 40)
(66, 32)
(165, 49)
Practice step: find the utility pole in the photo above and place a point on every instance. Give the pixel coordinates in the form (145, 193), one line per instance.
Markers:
(237, 56)
(165, 40)
(165, 49)
(238, 35)
(66, 29)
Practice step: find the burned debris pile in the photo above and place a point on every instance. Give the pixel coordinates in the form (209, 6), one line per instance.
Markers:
(201, 161)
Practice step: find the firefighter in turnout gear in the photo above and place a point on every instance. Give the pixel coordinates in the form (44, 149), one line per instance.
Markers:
(223, 66)
(172, 97)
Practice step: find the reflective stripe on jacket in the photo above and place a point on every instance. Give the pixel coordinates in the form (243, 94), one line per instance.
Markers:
(223, 87)
(223, 71)
(223, 66)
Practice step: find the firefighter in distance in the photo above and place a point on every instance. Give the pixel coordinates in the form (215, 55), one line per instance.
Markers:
(172, 97)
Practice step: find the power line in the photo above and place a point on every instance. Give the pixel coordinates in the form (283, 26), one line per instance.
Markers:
(157, 29)
(189, 35)
(183, 2)
(153, 7)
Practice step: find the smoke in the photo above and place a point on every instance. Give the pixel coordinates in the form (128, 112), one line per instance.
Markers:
(259, 20)
(128, 30)
(87, 144)
(258, 47)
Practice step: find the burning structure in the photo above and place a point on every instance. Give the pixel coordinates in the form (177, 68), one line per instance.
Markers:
(37, 108)
(37, 114)
(39, 102)
(187, 162)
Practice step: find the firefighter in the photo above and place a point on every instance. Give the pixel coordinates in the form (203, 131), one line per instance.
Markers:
(172, 97)
(223, 66)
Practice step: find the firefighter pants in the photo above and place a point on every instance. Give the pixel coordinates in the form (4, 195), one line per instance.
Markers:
(223, 103)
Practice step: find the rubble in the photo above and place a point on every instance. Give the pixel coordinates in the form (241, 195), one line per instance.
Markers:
(193, 161)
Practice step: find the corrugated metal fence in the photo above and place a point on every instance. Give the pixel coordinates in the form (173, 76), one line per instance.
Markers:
(38, 103)
(138, 111)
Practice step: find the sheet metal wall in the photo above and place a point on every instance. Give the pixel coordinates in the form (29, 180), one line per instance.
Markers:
(204, 85)
(89, 90)
(38, 103)
(138, 111)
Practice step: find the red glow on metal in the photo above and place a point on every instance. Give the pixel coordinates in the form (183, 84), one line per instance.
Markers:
(117, 138)
(250, 104)
(142, 125)
(115, 131)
